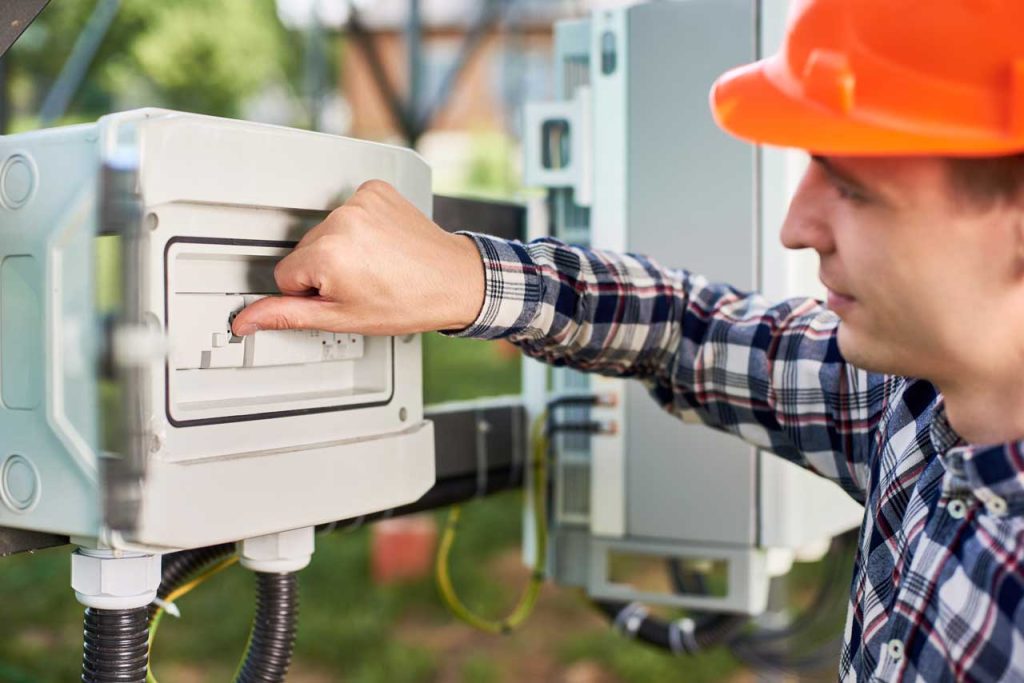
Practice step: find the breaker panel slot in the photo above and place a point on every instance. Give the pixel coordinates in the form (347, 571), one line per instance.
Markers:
(213, 374)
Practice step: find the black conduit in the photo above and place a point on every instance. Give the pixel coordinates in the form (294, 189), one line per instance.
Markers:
(116, 646)
(273, 630)
(765, 649)
(685, 636)
(181, 566)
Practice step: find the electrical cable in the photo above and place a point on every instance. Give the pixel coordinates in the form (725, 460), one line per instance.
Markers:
(272, 638)
(830, 590)
(683, 636)
(168, 603)
(528, 599)
(179, 566)
(116, 649)
(543, 430)
(765, 649)
(808, 644)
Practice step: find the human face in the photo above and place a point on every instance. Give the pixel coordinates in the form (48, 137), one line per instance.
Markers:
(924, 282)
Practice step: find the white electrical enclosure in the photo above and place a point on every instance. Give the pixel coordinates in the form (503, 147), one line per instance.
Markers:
(633, 161)
(140, 421)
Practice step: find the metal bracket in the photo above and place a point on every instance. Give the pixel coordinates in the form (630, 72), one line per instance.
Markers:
(556, 145)
(14, 541)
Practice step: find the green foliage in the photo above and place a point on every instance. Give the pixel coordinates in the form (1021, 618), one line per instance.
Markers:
(491, 171)
(459, 369)
(194, 55)
(203, 56)
(41, 629)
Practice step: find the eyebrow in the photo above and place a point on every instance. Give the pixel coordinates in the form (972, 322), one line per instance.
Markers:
(845, 176)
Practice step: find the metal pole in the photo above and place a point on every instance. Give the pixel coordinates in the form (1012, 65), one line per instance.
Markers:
(366, 44)
(5, 96)
(74, 70)
(474, 40)
(314, 68)
(414, 57)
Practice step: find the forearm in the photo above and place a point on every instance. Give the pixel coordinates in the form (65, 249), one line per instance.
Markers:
(596, 311)
(769, 373)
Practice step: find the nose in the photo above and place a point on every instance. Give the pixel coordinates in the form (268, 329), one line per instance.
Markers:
(807, 224)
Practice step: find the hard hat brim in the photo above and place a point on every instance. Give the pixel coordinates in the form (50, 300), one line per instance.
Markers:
(748, 104)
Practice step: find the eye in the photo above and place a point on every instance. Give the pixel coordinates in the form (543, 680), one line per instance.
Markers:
(851, 194)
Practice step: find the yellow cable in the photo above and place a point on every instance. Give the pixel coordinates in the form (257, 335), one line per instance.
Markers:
(528, 600)
(172, 597)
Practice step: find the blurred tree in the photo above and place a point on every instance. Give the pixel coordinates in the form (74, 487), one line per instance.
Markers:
(194, 55)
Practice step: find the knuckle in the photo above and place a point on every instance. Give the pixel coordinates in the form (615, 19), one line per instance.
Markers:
(338, 216)
(280, 321)
(328, 244)
(280, 269)
(345, 216)
(375, 186)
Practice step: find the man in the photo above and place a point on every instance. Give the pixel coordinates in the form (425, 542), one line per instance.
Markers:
(906, 388)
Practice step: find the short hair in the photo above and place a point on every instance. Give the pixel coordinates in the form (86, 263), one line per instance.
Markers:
(985, 181)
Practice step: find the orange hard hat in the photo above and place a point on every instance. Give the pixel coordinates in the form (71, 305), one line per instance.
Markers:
(886, 77)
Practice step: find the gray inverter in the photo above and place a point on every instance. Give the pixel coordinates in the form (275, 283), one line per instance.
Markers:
(633, 161)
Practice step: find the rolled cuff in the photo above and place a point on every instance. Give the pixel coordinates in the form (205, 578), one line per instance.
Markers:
(513, 288)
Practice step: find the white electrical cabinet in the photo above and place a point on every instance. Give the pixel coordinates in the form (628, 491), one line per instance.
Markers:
(131, 416)
(634, 162)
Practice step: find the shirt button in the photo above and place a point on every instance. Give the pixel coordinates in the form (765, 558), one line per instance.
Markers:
(895, 649)
(996, 506)
(956, 508)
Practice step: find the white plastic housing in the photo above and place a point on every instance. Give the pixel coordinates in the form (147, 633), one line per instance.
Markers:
(231, 438)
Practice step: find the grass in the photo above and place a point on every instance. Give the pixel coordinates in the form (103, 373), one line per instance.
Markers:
(460, 369)
(638, 663)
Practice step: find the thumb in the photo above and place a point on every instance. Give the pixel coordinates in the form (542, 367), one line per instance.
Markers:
(288, 313)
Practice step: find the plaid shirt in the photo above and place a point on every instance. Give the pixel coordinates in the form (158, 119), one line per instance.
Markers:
(938, 583)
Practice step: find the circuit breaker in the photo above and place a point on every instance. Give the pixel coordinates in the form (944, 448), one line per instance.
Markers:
(633, 161)
(132, 416)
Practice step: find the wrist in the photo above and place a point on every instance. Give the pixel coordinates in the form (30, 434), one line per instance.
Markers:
(470, 283)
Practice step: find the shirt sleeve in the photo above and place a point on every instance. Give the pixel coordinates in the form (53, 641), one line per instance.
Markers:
(771, 374)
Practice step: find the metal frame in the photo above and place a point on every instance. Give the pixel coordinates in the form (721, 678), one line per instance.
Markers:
(414, 119)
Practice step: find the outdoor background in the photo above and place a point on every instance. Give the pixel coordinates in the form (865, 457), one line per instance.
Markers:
(268, 61)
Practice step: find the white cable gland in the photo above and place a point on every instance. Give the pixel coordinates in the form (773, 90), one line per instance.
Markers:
(280, 553)
(102, 580)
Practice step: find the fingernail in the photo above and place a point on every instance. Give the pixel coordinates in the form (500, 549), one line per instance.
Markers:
(246, 330)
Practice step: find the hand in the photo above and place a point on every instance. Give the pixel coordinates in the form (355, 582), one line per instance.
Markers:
(375, 266)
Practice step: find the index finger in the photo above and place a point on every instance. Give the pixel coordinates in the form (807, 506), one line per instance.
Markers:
(295, 275)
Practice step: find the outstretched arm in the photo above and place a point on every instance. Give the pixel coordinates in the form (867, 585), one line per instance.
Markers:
(771, 374)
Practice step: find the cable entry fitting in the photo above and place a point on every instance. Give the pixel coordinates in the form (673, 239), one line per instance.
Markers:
(116, 587)
(283, 552)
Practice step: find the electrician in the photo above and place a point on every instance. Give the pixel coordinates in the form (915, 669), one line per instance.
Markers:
(906, 387)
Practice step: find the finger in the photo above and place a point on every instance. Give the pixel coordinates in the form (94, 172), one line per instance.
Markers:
(289, 313)
(337, 218)
(295, 274)
(377, 185)
(314, 233)
(374, 194)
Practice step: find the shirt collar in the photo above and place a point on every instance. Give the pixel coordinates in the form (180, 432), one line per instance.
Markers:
(993, 473)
